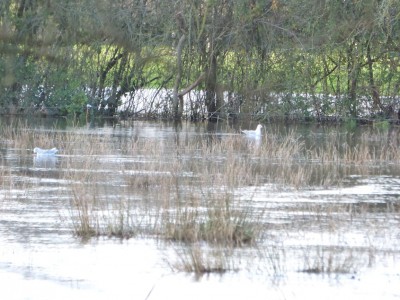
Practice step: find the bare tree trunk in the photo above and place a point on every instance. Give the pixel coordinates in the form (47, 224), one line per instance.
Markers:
(212, 101)
(374, 90)
(352, 80)
(110, 64)
(178, 107)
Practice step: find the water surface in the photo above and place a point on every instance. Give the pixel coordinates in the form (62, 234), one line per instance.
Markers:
(326, 236)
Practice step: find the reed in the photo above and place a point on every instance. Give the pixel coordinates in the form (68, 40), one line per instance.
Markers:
(84, 218)
(201, 259)
(187, 194)
(214, 222)
(94, 214)
(6, 182)
(332, 259)
(96, 208)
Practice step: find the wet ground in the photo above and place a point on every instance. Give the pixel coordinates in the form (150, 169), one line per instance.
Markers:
(322, 241)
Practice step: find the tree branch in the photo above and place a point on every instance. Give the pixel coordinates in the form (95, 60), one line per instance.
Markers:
(192, 86)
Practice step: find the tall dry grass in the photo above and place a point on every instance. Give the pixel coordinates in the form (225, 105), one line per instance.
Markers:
(186, 193)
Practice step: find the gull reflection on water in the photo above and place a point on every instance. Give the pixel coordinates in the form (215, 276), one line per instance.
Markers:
(45, 161)
(254, 141)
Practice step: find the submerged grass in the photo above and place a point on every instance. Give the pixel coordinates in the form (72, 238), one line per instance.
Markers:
(332, 260)
(187, 193)
(200, 259)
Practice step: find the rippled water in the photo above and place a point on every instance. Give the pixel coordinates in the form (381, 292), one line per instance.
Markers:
(348, 226)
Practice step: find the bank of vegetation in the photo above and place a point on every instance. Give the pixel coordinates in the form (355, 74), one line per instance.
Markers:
(321, 60)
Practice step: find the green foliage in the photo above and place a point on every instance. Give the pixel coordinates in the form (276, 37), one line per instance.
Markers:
(384, 124)
(258, 49)
(350, 124)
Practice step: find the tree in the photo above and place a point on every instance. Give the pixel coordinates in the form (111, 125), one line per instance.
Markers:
(270, 56)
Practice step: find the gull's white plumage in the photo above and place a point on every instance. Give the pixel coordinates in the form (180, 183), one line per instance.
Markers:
(256, 132)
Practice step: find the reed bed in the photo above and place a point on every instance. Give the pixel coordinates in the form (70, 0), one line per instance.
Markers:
(186, 193)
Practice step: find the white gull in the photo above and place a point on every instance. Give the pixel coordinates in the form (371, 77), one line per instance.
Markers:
(255, 133)
(49, 152)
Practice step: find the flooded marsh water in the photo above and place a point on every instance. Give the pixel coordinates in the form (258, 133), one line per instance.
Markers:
(147, 210)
